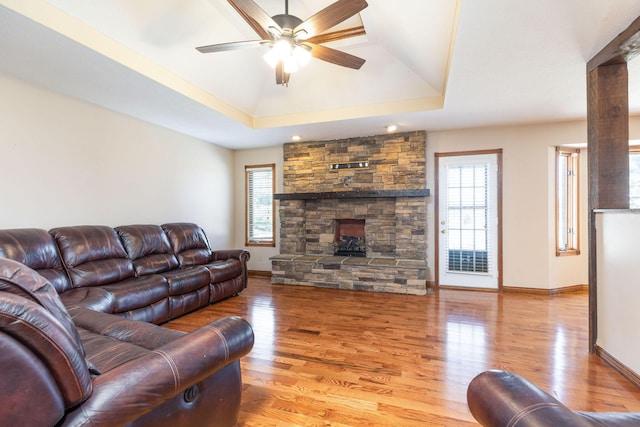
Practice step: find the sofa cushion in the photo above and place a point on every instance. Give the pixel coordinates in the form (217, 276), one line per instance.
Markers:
(107, 352)
(93, 255)
(36, 249)
(188, 242)
(224, 270)
(188, 279)
(137, 292)
(148, 247)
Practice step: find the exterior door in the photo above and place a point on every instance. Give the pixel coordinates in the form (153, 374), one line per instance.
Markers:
(468, 220)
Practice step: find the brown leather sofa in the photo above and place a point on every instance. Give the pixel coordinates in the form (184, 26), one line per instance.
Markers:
(75, 345)
(141, 272)
(499, 398)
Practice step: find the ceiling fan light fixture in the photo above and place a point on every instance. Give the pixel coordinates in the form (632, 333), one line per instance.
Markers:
(292, 56)
(302, 54)
(290, 65)
(279, 51)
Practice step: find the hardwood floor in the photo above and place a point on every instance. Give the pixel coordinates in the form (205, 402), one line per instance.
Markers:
(325, 357)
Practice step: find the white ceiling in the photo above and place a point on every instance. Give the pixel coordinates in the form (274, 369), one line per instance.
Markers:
(431, 64)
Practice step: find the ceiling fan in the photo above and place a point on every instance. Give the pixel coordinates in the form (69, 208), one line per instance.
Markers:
(293, 41)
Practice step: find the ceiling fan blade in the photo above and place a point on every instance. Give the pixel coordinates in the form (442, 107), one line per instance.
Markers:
(221, 47)
(337, 35)
(257, 18)
(328, 17)
(335, 56)
(282, 78)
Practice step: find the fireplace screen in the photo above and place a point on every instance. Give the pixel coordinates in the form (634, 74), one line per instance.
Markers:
(350, 238)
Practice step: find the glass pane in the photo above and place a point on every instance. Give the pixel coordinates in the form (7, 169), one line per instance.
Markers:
(454, 239)
(454, 218)
(481, 240)
(453, 176)
(454, 197)
(467, 239)
(480, 219)
(466, 176)
(467, 218)
(466, 195)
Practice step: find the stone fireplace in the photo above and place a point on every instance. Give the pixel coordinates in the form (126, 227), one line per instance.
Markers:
(367, 195)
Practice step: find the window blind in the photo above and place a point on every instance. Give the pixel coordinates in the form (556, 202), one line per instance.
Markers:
(260, 204)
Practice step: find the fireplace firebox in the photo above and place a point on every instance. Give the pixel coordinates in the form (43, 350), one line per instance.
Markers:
(350, 238)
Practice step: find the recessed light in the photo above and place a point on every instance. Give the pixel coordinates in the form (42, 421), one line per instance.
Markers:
(295, 138)
(392, 128)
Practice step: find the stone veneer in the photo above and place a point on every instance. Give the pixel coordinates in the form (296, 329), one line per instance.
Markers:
(395, 227)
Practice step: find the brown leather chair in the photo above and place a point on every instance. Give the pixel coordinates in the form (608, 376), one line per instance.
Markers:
(83, 367)
(500, 399)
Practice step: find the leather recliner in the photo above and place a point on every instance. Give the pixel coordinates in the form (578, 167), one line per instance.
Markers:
(503, 399)
(78, 367)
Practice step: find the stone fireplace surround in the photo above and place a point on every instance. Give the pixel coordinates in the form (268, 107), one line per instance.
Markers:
(389, 195)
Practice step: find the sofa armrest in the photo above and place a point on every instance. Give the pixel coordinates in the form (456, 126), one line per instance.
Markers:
(138, 386)
(240, 254)
(499, 398)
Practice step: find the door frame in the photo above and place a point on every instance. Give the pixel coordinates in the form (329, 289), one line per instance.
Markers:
(437, 156)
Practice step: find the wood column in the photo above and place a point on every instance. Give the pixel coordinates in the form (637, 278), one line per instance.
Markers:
(608, 148)
(608, 118)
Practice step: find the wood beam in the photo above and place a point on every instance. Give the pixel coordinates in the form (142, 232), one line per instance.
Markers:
(620, 50)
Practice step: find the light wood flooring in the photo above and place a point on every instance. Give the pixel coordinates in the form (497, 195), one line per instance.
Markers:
(326, 357)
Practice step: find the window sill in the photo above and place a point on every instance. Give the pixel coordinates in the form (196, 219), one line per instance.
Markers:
(568, 252)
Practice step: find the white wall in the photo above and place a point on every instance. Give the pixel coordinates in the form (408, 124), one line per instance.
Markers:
(259, 255)
(618, 244)
(67, 162)
(528, 165)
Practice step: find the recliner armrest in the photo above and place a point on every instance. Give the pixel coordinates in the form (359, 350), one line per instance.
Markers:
(500, 398)
(138, 386)
(240, 254)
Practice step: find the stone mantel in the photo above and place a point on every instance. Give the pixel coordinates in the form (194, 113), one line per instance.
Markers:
(353, 194)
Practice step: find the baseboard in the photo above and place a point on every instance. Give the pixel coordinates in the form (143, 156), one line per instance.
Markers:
(618, 366)
(548, 292)
(258, 273)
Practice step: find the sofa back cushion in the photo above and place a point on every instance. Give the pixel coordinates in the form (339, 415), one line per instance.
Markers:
(148, 247)
(36, 249)
(93, 255)
(189, 243)
(31, 312)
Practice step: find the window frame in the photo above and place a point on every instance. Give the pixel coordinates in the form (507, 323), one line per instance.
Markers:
(572, 201)
(248, 169)
(634, 150)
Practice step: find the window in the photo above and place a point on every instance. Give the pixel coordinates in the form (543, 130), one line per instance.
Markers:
(260, 229)
(567, 167)
(467, 216)
(634, 177)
